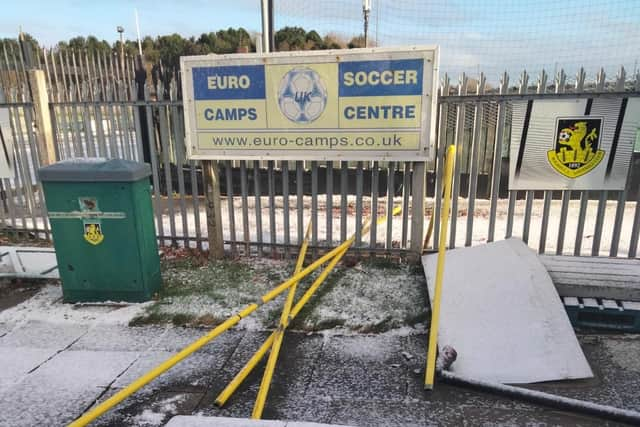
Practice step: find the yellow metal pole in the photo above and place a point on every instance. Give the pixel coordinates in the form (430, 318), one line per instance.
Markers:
(199, 343)
(155, 372)
(284, 321)
(279, 335)
(244, 372)
(314, 286)
(255, 359)
(435, 307)
(145, 379)
(427, 237)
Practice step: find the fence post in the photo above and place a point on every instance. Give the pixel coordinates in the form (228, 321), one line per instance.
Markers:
(214, 211)
(141, 78)
(418, 194)
(40, 97)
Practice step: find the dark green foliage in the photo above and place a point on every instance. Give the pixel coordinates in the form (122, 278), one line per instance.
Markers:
(167, 49)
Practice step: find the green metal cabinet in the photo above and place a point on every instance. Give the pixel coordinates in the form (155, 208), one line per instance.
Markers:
(102, 223)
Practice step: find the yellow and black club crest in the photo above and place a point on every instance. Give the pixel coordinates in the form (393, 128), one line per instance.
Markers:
(93, 233)
(576, 150)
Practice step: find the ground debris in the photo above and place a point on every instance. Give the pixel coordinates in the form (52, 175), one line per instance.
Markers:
(407, 355)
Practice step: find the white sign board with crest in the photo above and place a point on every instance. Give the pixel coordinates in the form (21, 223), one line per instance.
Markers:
(572, 144)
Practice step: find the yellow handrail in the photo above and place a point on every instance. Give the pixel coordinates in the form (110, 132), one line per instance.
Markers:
(437, 295)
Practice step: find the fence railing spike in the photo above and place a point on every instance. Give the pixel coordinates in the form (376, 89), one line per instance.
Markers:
(462, 87)
(580, 79)
(481, 84)
(504, 83)
(621, 79)
(524, 82)
(600, 79)
(542, 81)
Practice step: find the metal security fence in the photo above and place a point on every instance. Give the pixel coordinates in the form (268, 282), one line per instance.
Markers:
(477, 119)
(103, 106)
(22, 206)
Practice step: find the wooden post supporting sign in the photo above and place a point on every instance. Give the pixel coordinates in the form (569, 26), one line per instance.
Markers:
(214, 212)
(45, 138)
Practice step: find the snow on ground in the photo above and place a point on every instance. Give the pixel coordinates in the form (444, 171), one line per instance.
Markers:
(157, 415)
(210, 293)
(47, 306)
(479, 230)
(368, 297)
(174, 224)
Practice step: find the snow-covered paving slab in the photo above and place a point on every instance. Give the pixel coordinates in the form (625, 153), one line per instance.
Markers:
(199, 369)
(199, 421)
(5, 328)
(62, 388)
(47, 306)
(503, 315)
(120, 338)
(39, 334)
(17, 362)
(57, 358)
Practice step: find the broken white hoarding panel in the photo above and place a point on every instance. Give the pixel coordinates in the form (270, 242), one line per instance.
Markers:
(502, 314)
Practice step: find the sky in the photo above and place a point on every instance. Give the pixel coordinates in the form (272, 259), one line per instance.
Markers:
(52, 21)
(474, 35)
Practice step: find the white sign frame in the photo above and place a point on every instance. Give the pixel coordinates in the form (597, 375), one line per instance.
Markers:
(425, 151)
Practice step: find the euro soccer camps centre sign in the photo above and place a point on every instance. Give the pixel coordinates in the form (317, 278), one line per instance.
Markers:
(359, 104)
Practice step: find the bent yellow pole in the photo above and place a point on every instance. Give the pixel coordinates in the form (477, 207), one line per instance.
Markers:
(435, 307)
(427, 237)
(279, 335)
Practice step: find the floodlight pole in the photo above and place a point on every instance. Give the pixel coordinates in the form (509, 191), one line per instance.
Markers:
(366, 9)
(272, 40)
(121, 31)
(265, 26)
(138, 32)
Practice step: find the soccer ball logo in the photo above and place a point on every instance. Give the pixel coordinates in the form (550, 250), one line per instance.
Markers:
(302, 95)
(564, 137)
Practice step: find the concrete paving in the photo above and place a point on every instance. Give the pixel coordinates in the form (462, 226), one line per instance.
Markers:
(57, 371)
(200, 421)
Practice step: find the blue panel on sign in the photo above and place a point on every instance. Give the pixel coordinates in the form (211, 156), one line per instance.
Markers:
(381, 78)
(230, 82)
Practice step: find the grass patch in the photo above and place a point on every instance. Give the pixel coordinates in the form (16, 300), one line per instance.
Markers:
(373, 296)
(196, 292)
